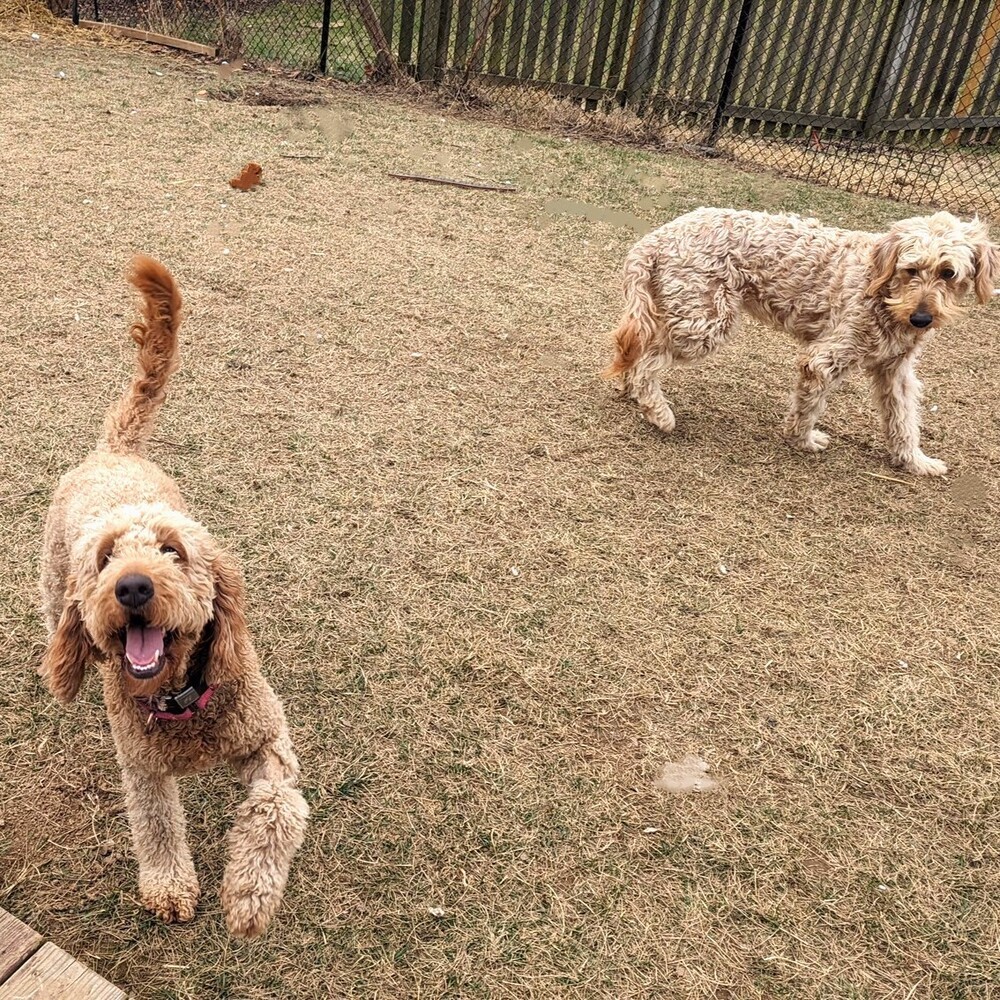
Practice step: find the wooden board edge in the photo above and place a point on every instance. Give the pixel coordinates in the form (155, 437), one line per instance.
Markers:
(18, 942)
(152, 36)
(54, 972)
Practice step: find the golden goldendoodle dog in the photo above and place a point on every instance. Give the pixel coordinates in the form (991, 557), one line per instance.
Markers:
(852, 300)
(132, 583)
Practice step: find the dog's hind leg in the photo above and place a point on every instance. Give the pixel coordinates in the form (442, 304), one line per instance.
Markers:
(168, 885)
(270, 826)
(643, 385)
(693, 331)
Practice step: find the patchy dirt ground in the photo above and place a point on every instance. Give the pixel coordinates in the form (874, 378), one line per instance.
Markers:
(495, 602)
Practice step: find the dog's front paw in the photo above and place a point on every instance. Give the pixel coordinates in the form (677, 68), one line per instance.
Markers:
(812, 441)
(268, 831)
(248, 904)
(923, 465)
(173, 898)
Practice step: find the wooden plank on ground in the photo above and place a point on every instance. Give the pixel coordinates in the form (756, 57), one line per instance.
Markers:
(17, 942)
(152, 36)
(51, 974)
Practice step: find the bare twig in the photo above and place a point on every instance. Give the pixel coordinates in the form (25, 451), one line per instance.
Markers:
(454, 183)
(888, 479)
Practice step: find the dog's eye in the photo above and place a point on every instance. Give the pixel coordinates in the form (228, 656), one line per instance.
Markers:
(912, 272)
(947, 274)
(104, 554)
(178, 553)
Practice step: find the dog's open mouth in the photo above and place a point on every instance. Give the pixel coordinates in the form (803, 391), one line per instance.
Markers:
(144, 650)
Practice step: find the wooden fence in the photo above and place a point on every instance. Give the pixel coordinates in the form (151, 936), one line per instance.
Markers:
(864, 68)
(861, 67)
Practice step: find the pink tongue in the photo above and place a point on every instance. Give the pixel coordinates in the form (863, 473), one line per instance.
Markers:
(142, 645)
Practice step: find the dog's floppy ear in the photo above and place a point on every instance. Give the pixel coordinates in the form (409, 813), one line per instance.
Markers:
(67, 654)
(885, 256)
(229, 648)
(987, 258)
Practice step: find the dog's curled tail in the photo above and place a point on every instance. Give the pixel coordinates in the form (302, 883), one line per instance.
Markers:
(129, 423)
(641, 319)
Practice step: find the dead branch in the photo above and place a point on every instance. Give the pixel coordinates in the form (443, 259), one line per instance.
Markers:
(475, 185)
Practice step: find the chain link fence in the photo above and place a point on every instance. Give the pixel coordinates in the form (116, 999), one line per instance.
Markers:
(899, 98)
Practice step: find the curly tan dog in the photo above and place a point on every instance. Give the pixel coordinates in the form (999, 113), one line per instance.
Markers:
(852, 300)
(131, 582)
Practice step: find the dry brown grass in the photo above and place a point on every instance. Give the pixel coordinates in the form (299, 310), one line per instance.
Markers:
(256, 91)
(963, 179)
(388, 400)
(19, 19)
(960, 178)
(19, 14)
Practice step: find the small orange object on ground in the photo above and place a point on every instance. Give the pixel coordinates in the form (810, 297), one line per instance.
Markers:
(250, 176)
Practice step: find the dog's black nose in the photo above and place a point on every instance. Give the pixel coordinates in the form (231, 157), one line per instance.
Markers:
(921, 319)
(134, 590)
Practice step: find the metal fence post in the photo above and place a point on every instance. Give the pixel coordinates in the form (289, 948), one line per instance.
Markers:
(324, 38)
(729, 76)
(892, 68)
